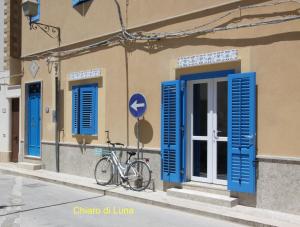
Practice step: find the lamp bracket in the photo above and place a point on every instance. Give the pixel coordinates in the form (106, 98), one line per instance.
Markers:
(52, 31)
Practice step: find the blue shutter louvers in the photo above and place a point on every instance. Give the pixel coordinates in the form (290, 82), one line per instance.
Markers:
(85, 109)
(37, 17)
(171, 132)
(88, 110)
(78, 2)
(75, 110)
(242, 132)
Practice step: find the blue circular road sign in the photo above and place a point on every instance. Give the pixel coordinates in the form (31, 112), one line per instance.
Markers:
(137, 105)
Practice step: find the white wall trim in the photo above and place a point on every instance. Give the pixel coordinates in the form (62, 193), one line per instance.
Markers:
(13, 91)
(279, 158)
(96, 145)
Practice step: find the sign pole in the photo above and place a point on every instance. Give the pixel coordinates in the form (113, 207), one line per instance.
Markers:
(137, 107)
(138, 137)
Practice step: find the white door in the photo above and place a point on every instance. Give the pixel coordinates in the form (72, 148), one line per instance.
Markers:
(207, 125)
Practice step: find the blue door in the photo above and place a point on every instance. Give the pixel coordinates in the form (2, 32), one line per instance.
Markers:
(33, 120)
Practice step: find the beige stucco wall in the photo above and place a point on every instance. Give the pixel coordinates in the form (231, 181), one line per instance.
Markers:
(111, 94)
(270, 51)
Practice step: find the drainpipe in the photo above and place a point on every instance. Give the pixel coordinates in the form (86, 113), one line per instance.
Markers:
(57, 131)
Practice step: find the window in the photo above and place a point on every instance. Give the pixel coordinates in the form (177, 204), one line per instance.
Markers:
(37, 17)
(77, 2)
(85, 109)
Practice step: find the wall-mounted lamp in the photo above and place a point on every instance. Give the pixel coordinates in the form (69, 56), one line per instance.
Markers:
(30, 9)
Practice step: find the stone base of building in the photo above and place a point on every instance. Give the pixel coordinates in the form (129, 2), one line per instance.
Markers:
(277, 178)
(5, 156)
(278, 184)
(81, 160)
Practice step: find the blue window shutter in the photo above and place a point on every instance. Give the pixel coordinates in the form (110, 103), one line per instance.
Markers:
(88, 109)
(77, 2)
(242, 132)
(75, 110)
(171, 169)
(37, 17)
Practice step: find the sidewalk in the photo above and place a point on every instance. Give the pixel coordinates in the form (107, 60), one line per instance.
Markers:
(239, 214)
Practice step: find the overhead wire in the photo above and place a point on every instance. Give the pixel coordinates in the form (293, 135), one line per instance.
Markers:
(125, 35)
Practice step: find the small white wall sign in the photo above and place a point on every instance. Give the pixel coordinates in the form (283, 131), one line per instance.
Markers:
(82, 75)
(34, 68)
(207, 58)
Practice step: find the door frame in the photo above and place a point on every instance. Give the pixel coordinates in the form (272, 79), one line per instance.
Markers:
(185, 78)
(207, 138)
(12, 124)
(14, 92)
(27, 84)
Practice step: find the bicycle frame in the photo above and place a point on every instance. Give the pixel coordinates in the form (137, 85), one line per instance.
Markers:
(121, 170)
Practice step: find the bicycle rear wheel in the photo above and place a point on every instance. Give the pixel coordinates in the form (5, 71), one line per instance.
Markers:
(104, 171)
(138, 175)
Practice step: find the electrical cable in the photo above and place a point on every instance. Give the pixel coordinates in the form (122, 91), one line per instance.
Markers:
(124, 35)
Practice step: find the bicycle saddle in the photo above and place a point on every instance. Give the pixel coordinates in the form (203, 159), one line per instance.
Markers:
(131, 153)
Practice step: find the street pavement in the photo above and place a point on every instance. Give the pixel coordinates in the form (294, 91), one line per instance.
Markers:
(28, 202)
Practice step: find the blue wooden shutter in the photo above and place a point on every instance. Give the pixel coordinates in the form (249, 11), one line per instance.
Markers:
(171, 132)
(77, 2)
(242, 132)
(37, 17)
(88, 109)
(75, 110)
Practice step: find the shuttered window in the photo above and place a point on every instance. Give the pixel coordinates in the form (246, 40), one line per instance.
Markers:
(242, 132)
(171, 132)
(37, 17)
(77, 2)
(84, 109)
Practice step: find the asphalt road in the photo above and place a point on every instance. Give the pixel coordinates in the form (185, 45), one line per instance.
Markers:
(29, 202)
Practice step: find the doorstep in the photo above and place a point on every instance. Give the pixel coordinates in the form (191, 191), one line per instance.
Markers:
(29, 166)
(240, 214)
(204, 197)
(206, 187)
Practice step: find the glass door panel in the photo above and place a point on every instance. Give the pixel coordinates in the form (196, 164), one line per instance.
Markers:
(222, 108)
(221, 160)
(220, 132)
(200, 158)
(200, 102)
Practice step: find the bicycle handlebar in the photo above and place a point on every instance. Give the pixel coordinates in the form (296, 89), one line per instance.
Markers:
(115, 144)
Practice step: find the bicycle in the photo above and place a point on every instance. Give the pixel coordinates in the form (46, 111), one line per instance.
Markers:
(137, 173)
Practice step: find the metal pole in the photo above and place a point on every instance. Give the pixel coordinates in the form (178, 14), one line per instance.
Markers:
(56, 123)
(138, 138)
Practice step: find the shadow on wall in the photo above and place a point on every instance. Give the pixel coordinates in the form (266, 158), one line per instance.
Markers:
(195, 40)
(83, 8)
(145, 131)
(155, 47)
(201, 14)
(61, 106)
(83, 140)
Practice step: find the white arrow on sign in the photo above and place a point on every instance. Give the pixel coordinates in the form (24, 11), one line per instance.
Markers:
(137, 105)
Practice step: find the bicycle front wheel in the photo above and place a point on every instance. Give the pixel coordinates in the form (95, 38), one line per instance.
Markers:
(138, 175)
(104, 171)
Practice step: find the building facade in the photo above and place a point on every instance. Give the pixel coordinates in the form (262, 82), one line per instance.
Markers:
(10, 74)
(220, 79)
